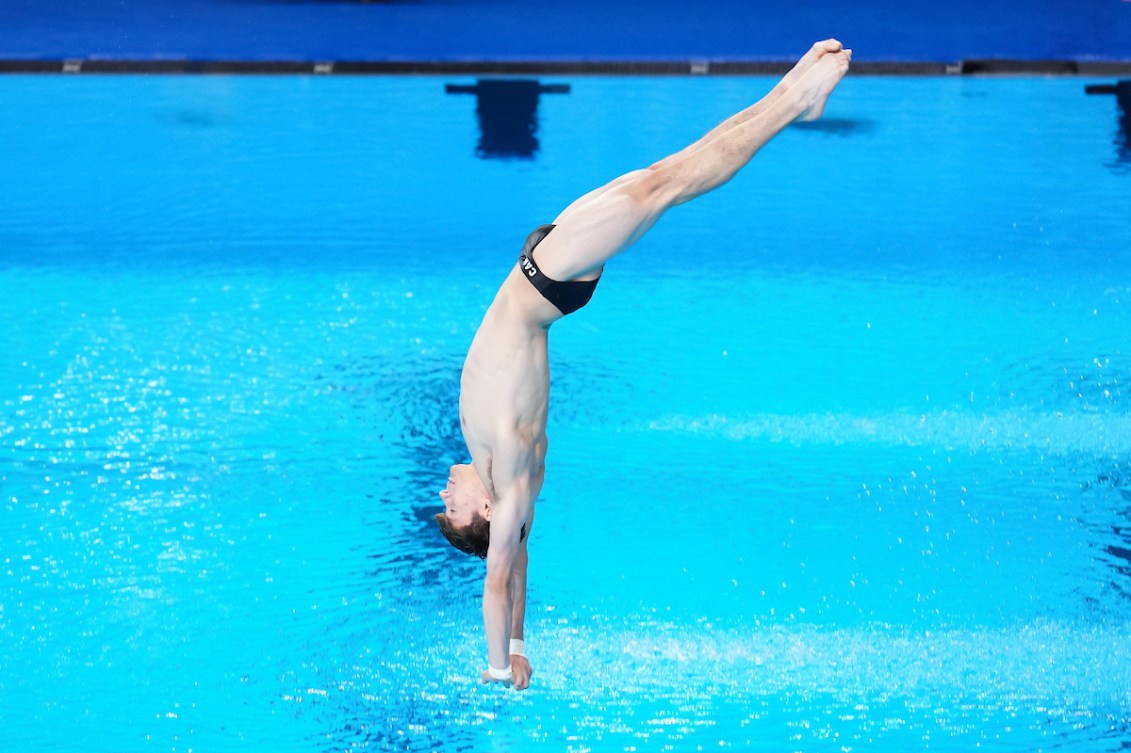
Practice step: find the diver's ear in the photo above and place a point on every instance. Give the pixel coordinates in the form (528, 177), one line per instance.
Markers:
(486, 507)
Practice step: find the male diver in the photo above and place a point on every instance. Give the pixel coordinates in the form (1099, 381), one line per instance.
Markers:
(504, 388)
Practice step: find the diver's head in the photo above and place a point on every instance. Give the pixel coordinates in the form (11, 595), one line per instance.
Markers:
(466, 520)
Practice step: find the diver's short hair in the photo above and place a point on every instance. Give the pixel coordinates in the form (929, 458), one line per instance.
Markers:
(474, 538)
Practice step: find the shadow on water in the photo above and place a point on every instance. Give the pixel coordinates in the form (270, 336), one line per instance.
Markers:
(195, 118)
(414, 407)
(507, 110)
(1109, 518)
(413, 722)
(1072, 385)
(837, 126)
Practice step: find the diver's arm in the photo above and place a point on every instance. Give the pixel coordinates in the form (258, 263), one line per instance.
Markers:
(520, 664)
(518, 592)
(508, 513)
(516, 478)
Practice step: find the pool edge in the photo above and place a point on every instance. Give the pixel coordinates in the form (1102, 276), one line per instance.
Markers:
(974, 66)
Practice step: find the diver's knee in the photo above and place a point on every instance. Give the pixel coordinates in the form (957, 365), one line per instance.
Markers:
(653, 188)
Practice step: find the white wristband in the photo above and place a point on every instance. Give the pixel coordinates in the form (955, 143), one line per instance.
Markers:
(518, 647)
(499, 674)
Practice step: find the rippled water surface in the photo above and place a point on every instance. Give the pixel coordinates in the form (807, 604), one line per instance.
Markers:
(840, 455)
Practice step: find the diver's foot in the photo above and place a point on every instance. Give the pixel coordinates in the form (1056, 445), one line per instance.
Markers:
(813, 87)
(807, 61)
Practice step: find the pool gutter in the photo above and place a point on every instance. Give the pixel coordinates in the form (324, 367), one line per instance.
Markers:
(616, 68)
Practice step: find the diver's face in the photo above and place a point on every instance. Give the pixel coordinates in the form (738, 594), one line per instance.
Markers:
(464, 496)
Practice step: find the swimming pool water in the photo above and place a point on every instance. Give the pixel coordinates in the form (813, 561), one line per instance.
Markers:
(840, 455)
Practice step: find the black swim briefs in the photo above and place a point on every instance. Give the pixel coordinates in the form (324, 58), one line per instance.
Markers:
(567, 296)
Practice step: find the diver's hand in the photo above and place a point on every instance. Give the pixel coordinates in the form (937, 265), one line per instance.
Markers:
(486, 678)
(519, 675)
(520, 668)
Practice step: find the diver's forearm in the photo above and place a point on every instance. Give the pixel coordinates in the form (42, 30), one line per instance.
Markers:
(497, 614)
(518, 595)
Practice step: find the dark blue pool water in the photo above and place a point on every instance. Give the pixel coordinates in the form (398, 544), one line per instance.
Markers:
(840, 458)
(523, 30)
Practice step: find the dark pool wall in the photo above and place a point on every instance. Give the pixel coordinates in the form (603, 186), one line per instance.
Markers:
(543, 30)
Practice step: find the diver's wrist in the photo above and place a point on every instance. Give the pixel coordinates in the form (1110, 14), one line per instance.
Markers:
(499, 674)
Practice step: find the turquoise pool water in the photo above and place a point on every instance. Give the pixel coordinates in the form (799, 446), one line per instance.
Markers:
(840, 455)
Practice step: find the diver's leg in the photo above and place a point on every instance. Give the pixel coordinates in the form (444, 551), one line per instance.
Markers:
(715, 159)
(605, 222)
(807, 61)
